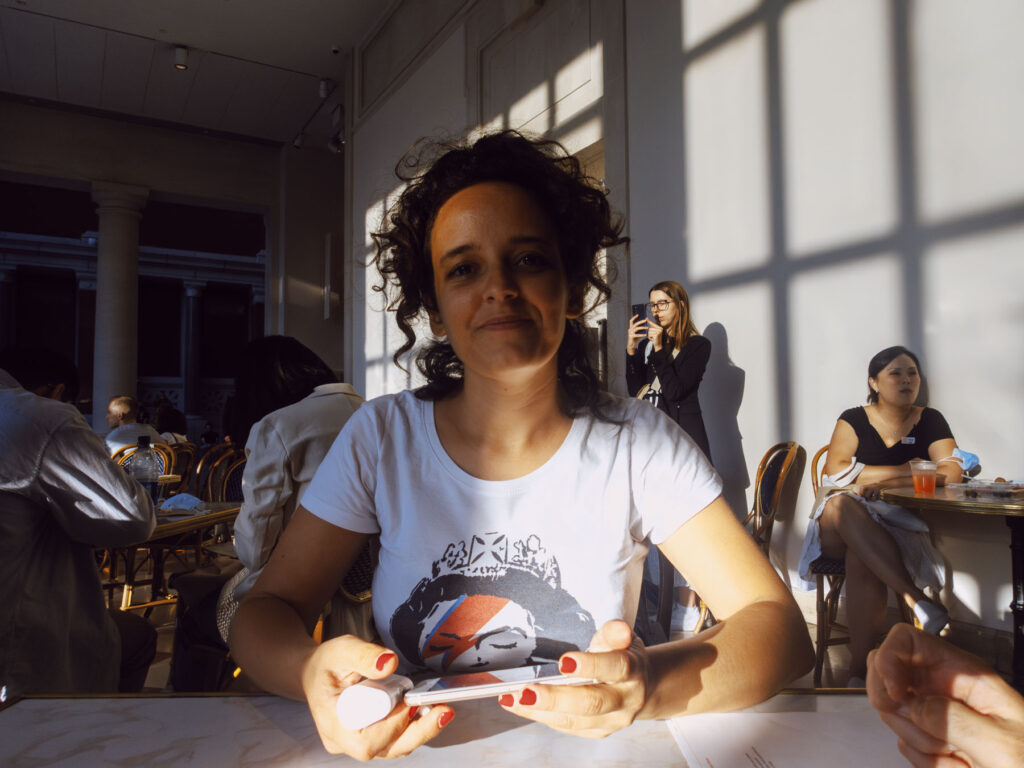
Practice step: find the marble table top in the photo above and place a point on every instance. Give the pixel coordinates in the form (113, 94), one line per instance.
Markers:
(224, 731)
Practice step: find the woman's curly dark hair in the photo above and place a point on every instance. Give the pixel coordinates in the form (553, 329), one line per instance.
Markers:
(574, 202)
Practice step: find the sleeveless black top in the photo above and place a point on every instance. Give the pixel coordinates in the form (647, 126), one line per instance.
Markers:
(871, 448)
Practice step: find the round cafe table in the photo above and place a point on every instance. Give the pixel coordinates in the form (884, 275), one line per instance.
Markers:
(1012, 511)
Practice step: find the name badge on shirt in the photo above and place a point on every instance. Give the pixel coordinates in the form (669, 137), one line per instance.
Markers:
(907, 441)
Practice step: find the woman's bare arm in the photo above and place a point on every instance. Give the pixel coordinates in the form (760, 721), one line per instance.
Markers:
(760, 643)
(271, 631)
(843, 447)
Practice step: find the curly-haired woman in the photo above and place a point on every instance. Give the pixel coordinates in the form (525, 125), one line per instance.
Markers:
(508, 469)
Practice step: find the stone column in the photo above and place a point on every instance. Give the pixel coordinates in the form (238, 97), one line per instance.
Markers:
(115, 370)
(192, 341)
(85, 334)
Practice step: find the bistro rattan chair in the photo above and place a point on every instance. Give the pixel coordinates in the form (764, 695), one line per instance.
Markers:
(203, 468)
(185, 455)
(123, 457)
(772, 476)
(829, 576)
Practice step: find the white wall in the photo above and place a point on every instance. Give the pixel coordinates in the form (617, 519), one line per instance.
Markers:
(432, 102)
(827, 186)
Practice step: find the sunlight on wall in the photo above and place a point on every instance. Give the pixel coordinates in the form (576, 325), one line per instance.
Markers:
(839, 318)
(969, 67)
(748, 384)
(838, 133)
(977, 555)
(531, 111)
(303, 292)
(562, 110)
(974, 318)
(367, 303)
(727, 159)
(703, 19)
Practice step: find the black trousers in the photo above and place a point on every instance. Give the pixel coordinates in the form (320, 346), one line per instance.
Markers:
(138, 647)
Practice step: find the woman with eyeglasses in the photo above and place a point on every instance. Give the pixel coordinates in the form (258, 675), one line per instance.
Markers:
(666, 359)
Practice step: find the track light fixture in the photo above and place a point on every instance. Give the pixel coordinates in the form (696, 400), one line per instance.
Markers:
(180, 57)
(336, 142)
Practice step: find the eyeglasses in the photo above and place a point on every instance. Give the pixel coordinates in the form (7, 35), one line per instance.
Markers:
(661, 306)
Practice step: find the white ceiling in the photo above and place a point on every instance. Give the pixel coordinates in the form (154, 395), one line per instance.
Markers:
(254, 66)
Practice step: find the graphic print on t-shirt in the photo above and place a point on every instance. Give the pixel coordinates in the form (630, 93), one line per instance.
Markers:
(494, 604)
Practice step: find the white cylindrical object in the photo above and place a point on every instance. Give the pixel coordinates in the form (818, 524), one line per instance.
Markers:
(367, 702)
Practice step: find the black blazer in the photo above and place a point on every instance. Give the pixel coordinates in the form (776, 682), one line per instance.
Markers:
(680, 379)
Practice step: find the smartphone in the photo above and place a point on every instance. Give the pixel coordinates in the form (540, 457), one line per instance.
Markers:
(479, 685)
(641, 310)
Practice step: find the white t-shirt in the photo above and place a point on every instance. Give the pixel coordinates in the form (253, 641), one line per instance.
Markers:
(478, 574)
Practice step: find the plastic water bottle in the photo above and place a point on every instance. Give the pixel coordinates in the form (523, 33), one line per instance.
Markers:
(145, 467)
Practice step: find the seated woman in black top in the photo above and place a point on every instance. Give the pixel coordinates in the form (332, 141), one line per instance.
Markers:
(884, 546)
(671, 356)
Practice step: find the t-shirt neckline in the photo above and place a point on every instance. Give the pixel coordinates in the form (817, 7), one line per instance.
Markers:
(497, 487)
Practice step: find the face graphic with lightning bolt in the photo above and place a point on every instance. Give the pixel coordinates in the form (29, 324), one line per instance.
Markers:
(476, 632)
(490, 602)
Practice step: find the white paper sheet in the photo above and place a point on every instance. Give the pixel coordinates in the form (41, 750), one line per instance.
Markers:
(787, 740)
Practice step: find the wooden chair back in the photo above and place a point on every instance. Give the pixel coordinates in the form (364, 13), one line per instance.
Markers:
(201, 476)
(772, 475)
(816, 471)
(184, 460)
(229, 487)
(218, 472)
(184, 457)
(124, 457)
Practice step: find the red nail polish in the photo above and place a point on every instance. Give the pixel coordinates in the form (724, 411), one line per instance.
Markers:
(412, 712)
(568, 665)
(506, 700)
(527, 697)
(445, 718)
(383, 659)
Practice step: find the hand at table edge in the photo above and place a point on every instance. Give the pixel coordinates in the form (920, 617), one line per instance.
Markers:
(343, 661)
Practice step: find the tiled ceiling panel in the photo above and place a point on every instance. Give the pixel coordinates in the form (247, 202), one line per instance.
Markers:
(298, 97)
(79, 56)
(212, 90)
(256, 94)
(126, 68)
(253, 66)
(28, 45)
(5, 71)
(169, 89)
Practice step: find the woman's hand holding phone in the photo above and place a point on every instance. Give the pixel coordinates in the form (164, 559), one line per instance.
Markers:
(618, 660)
(638, 329)
(342, 662)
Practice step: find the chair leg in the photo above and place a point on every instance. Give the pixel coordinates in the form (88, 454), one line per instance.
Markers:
(129, 578)
(822, 629)
(666, 593)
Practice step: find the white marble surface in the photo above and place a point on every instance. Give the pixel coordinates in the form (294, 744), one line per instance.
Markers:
(267, 731)
(227, 731)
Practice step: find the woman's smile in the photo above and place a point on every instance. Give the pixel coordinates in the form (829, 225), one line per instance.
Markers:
(504, 323)
(502, 294)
